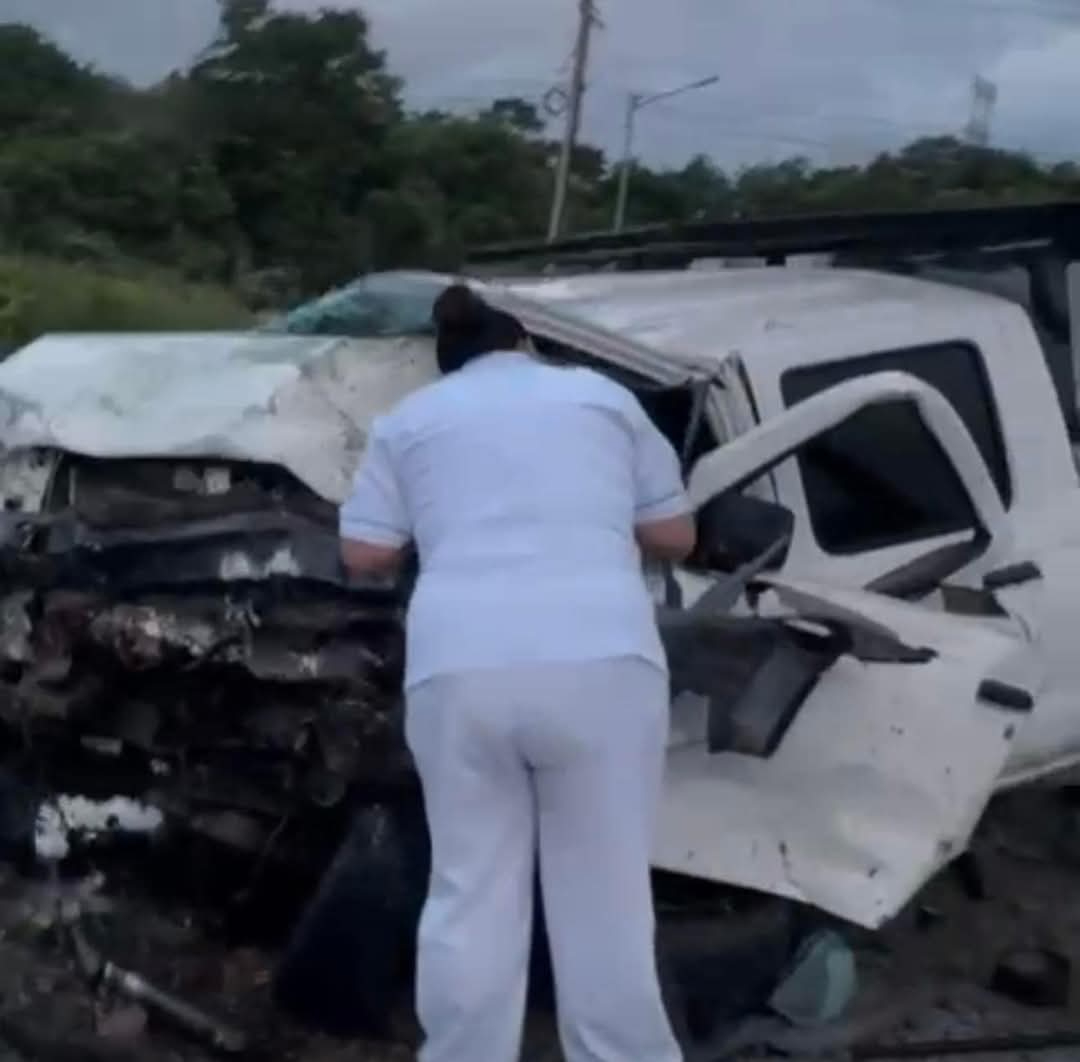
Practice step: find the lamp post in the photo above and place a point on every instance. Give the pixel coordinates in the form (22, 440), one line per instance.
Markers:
(634, 104)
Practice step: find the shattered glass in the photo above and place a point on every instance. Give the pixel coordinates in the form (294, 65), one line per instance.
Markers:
(377, 305)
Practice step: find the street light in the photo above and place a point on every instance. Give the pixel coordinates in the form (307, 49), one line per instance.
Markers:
(636, 103)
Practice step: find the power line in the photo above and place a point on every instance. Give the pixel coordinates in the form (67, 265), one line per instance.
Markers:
(711, 118)
(765, 135)
(725, 122)
(484, 99)
(814, 114)
(729, 129)
(532, 88)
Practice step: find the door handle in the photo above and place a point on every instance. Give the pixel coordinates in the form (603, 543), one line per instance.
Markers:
(1012, 575)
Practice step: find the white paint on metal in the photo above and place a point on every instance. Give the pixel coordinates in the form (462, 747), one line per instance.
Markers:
(217, 480)
(67, 816)
(301, 403)
(16, 628)
(25, 476)
(700, 318)
(879, 782)
(239, 564)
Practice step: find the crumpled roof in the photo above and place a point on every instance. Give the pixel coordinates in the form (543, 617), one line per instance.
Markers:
(304, 403)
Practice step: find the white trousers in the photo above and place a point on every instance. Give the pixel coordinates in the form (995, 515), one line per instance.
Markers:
(566, 759)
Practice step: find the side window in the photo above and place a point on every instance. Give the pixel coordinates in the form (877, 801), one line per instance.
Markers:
(880, 479)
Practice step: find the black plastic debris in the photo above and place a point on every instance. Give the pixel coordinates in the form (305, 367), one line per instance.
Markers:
(1038, 977)
(18, 811)
(133, 987)
(720, 969)
(348, 963)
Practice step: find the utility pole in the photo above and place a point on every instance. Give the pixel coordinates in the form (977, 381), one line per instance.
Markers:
(626, 167)
(587, 19)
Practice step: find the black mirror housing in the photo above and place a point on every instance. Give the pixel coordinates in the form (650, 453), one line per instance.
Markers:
(735, 529)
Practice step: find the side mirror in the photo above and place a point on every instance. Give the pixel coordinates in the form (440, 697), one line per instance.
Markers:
(736, 529)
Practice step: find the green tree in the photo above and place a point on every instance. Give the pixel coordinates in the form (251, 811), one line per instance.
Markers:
(239, 18)
(296, 111)
(472, 180)
(519, 114)
(41, 88)
(285, 162)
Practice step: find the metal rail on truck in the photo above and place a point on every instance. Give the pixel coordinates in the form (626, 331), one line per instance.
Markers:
(1011, 230)
(1029, 253)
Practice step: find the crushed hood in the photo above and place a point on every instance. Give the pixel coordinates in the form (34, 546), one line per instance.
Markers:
(303, 403)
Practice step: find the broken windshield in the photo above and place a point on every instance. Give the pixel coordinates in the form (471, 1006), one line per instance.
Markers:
(380, 304)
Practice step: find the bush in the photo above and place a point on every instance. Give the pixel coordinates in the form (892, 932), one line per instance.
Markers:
(38, 296)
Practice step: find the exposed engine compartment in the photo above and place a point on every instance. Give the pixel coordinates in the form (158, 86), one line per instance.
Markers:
(183, 632)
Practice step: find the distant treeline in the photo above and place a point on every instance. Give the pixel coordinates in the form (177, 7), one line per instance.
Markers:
(284, 161)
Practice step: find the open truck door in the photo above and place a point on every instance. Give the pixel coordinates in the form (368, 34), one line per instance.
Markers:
(838, 747)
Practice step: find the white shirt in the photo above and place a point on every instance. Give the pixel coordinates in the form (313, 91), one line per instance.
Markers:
(521, 484)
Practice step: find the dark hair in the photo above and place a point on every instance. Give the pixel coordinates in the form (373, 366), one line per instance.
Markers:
(467, 328)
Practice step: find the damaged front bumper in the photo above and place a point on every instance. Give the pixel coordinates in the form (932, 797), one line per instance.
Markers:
(185, 633)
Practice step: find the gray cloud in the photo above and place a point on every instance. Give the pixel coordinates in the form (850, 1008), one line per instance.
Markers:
(832, 79)
(138, 39)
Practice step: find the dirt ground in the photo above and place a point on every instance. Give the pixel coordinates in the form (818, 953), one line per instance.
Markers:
(926, 977)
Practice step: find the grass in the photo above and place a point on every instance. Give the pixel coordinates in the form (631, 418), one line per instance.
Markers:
(39, 296)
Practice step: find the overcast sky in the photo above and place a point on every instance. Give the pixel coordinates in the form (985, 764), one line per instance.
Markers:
(831, 79)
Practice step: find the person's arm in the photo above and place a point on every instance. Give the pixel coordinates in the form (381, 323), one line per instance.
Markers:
(672, 539)
(366, 558)
(664, 523)
(373, 521)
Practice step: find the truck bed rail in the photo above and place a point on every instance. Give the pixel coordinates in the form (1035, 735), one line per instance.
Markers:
(992, 230)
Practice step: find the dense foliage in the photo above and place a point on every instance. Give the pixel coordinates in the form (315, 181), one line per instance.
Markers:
(285, 161)
(44, 295)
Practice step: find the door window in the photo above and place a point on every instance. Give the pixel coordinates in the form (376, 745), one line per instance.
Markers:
(881, 479)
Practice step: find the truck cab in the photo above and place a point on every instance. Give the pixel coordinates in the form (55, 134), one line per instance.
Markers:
(916, 433)
(876, 493)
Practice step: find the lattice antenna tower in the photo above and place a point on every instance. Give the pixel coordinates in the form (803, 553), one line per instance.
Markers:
(984, 97)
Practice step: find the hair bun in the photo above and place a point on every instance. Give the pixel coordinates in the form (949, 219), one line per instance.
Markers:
(459, 308)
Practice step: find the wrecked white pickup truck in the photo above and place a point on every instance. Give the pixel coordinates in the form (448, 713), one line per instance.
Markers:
(874, 636)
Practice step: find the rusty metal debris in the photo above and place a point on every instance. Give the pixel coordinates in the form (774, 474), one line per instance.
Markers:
(105, 976)
(1037, 977)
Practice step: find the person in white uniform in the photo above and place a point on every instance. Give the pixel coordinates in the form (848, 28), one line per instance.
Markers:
(536, 683)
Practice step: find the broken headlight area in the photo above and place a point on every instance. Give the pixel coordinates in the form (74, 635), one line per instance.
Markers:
(184, 634)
